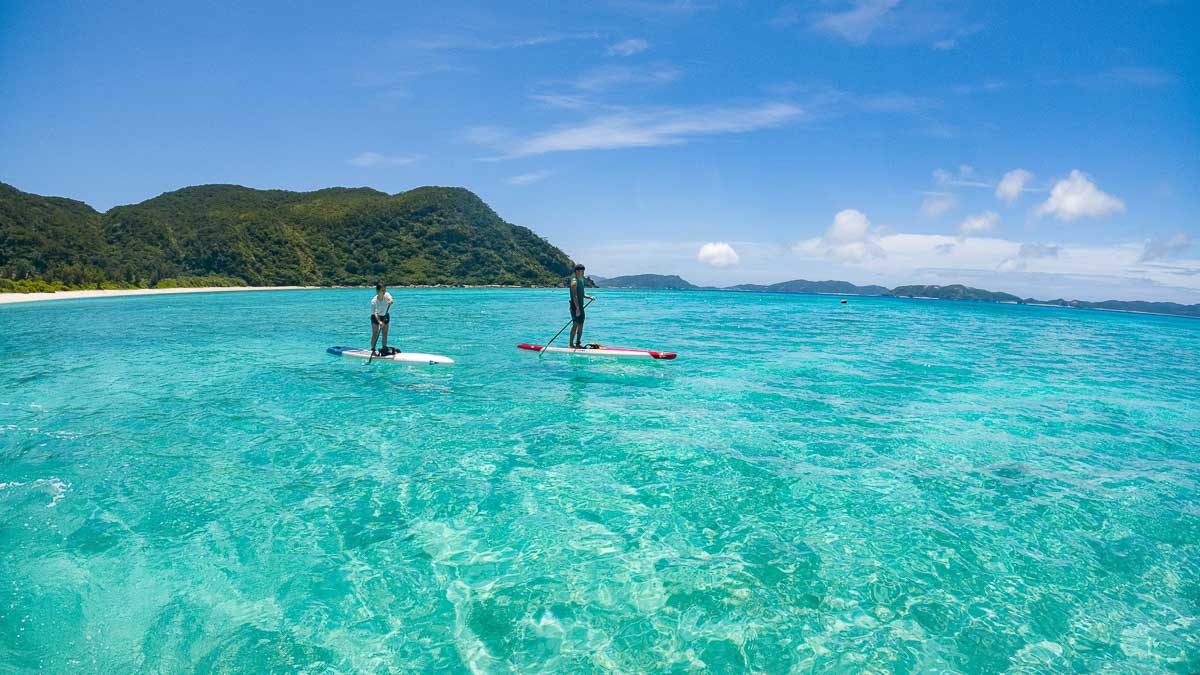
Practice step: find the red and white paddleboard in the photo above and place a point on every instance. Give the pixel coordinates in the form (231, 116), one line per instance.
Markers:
(611, 352)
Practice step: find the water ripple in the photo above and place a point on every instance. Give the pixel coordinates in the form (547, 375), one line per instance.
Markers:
(882, 486)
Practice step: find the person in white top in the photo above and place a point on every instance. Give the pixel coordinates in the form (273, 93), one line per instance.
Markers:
(381, 307)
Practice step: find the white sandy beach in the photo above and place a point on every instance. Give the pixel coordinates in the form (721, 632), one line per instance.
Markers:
(8, 298)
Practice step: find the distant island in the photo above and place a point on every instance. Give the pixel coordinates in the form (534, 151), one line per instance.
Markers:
(646, 281)
(228, 235)
(818, 287)
(951, 292)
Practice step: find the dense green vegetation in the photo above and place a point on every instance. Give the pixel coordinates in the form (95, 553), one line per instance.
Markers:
(221, 235)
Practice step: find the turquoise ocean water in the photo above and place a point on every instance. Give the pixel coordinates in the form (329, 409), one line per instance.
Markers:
(190, 483)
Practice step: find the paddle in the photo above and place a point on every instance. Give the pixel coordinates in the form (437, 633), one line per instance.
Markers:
(560, 330)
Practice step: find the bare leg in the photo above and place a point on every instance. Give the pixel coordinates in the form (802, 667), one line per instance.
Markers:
(374, 334)
(579, 340)
(385, 329)
(571, 338)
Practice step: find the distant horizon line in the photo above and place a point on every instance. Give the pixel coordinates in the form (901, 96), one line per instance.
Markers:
(761, 288)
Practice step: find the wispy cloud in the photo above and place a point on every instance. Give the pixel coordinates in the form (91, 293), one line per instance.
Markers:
(664, 6)
(374, 160)
(965, 177)
(856, 23)
(628, 47)
(487, 135)
(941, 25)
(567, 101)
(896, 103)
(934, 204)
(606, 78)
(985, 87)
(1007, 190)
(465, 42)
(650, 128)
(527, 178)
(1134, 76)
(1166, 249)
(1028, 251)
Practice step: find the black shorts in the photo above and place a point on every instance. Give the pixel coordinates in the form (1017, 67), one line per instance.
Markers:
(385, 319)
(577, 317)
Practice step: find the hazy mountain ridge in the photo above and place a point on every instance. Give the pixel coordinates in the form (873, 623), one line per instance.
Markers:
(645, 281)
(817, 287)
(957, 292)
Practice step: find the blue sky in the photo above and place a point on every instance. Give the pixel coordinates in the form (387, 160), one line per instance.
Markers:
(1046, 149)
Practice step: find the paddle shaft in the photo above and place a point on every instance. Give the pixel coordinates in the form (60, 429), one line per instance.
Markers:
(560, 330)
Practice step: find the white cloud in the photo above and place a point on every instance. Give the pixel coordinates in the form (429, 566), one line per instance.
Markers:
(1166, 249)
(1076, 196)
(983, 222)
(943, 45)
(527, 178)
(849, 239)
(1012, 184)
(650, 128)
(567, 101)
(718, 254)
(848, 225)
(628, 47)
(374, 160)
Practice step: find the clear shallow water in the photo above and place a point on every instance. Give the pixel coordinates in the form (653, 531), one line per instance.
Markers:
(190, 482)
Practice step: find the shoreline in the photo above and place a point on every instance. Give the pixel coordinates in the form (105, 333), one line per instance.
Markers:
(13, 298)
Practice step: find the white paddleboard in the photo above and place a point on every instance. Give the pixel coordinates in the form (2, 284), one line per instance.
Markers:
(402, 357)
(610, 352)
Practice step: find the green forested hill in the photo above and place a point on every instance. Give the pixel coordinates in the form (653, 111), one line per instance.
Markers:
(224, 234)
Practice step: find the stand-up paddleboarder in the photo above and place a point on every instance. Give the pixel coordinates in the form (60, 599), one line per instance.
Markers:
(577, 297)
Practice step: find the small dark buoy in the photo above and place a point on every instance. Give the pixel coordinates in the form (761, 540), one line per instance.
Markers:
(843, 301)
